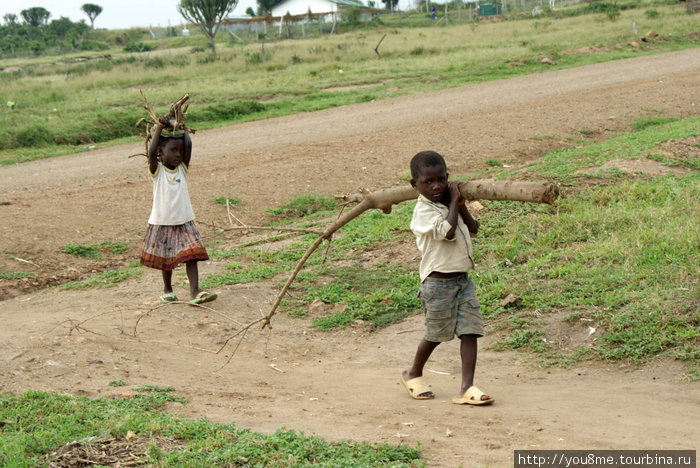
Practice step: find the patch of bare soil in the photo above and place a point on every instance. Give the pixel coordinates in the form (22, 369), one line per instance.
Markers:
(343, 384)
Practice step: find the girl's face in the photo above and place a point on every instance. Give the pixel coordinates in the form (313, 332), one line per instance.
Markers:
(431, 183)
(172, 152)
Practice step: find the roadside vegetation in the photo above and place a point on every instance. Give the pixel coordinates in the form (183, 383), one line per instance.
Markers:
(137, 431)
(55, 105)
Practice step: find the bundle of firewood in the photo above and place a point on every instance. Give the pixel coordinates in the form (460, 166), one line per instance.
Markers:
(173, 121)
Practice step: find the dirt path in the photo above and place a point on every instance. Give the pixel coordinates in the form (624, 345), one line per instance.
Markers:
(343, 384)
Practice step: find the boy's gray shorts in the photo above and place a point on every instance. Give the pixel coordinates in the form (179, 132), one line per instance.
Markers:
(451, 308)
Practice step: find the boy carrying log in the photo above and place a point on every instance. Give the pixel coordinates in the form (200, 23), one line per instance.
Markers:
(442, 226)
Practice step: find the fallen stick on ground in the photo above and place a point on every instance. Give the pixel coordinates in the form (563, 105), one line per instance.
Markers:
(534, 192)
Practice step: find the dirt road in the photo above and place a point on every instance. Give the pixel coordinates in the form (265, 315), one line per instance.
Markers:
(343, 384)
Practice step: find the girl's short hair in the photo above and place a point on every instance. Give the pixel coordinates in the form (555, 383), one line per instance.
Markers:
(426, 159)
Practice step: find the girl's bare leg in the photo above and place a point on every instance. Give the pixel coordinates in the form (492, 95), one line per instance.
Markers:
(167, 281)
(193, 277)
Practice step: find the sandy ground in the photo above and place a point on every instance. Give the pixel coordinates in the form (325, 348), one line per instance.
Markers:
(344, 384)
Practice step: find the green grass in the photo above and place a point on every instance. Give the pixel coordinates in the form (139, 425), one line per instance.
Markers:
(569, 164)
(304, 205)
(36, 423)
(222, 201)
(94, 251)
(63, 107)
(106, 279)
(380, 296)
(15, 275)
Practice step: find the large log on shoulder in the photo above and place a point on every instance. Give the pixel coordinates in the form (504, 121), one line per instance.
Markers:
(487, 189)
(533, 192)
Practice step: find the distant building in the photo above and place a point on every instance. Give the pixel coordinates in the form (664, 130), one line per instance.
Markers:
(301, 7)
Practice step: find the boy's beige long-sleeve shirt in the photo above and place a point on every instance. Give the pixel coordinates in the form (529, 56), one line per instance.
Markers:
(438, 253)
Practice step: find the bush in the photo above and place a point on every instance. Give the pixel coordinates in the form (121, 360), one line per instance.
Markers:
(133, 46)
(225, 111)
(351, 15)
(33, 135)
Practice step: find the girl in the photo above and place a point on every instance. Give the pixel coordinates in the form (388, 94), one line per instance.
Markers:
(172, 237)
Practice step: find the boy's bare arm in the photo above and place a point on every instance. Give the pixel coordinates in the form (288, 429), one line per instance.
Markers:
(472, 224)
(153, 148)
(188, 149)
(453, 213)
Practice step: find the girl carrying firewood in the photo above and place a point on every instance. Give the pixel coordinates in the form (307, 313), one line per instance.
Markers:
(172, 237)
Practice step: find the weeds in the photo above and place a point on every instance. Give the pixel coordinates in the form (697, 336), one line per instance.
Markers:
(16, 275)
(224, 200)
(36, 423)
(106, 279)
(94, 251)
(304, 205)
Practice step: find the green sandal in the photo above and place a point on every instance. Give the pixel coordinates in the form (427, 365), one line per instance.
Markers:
(169, 297)
(203, 297)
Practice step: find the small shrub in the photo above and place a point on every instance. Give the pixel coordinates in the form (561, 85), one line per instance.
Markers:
(81, 250)
(644, 122)
(93, 250)
(222, 200)
(206, 58)
(303, 205)
(225, 111)
(133, 46)
(33, 135)
(13, 276)
(114, 247)
(155, 62)
(494, 162)
(612, 13)
(254, 58)
(651, 14)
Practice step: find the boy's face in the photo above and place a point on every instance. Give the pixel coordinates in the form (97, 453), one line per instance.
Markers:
(172, 152)
(431, 182)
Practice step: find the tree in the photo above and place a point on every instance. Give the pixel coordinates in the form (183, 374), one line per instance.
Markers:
(36, 16)
(390, 4)
(267, 5)
(92, 11)
(207, 14)
(10, 19)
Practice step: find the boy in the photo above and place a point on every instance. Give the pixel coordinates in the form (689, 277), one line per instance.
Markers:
(442, 225)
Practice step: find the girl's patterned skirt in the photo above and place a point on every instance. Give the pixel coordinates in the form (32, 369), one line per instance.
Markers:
(165, 247)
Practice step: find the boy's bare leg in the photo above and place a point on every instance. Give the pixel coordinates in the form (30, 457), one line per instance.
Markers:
(425, 349)
(193, 277)
(468, 351)
(167, 281)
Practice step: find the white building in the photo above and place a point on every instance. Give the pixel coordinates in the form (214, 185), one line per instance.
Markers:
(301, 7)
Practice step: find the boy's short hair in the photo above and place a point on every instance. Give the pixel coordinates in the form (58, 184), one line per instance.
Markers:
(426, 159)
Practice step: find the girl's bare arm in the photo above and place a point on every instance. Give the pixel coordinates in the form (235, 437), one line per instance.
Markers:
(153, 148)
(188, 149)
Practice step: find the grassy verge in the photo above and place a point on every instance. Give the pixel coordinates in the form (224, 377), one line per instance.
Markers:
(61, 108)
(106, 279)
(34, 424)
